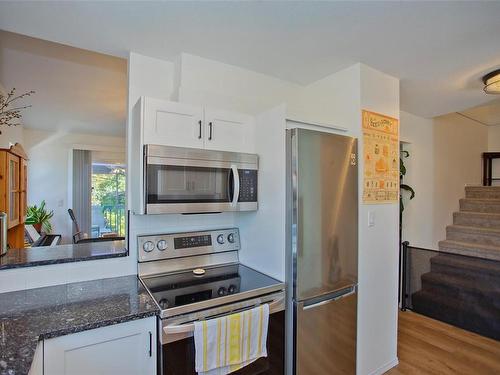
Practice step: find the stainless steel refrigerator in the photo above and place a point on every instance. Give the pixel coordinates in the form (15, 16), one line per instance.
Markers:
(322, 252)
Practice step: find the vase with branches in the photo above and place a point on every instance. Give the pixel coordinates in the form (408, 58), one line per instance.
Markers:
(10, 114)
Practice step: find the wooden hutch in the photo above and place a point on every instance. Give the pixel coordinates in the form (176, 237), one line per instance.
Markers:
(13, 192)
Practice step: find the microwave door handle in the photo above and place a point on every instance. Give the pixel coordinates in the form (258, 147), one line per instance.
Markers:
(236, 185)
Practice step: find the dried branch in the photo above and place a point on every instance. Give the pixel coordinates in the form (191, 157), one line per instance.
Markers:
(9, 115)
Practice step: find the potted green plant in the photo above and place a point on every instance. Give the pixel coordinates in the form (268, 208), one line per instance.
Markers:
(39, 217)
(404, 187)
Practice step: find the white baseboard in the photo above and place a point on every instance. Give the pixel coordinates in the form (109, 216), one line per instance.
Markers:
(383, 369)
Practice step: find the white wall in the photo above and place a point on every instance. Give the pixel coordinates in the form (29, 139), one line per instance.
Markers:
(494, 146)
(378, 246)
(338, 99)
(50, 170)
(11, 135)
(334, 99)
(418, 217)
(155, 78)
(458, 145)
(263, 231)
(445, 156)
(207, 82)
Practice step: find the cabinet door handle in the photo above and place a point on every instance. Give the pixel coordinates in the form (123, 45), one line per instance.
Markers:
(210, 126)
(199, 132)
(150, 344)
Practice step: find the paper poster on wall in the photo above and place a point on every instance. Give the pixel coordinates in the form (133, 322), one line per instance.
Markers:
(381, 158)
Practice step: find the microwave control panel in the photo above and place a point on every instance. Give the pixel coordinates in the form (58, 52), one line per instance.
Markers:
(248, 185)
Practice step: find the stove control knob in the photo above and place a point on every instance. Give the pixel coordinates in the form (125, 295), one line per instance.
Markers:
(162, 245)
(148, 246)
(164, 304)
(231, 289)
(230, 238)
(222, 291)
(220, 239)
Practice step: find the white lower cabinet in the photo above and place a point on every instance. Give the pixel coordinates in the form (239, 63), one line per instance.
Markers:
(126, 349)
(37, 363)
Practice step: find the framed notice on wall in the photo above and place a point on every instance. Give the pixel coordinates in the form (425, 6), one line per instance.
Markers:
(381, 158)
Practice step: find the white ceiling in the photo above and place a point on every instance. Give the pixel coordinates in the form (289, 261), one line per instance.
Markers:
(75, 90)
(439, 50)
(488, 114)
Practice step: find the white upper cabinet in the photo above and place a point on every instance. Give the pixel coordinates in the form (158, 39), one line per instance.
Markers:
(172, 124)
(228, 131)
(184, 125)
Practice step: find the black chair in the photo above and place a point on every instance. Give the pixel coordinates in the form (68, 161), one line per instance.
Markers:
(79, 236)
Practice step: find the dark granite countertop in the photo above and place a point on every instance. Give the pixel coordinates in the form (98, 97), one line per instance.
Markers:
(30, 315)
(40, 256)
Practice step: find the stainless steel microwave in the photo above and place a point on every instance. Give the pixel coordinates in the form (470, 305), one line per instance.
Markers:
(188, 180)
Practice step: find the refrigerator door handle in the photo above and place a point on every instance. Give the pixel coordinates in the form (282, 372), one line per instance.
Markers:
(329, 300)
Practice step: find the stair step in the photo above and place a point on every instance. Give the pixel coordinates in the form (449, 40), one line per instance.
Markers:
(465, 266)
(473, 290)
(470, 249)
(477, 219)
(484, 192)
(480, 205)
(477, 235)
(473, 317)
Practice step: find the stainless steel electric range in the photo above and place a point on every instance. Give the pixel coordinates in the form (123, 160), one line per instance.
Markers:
(196, 276)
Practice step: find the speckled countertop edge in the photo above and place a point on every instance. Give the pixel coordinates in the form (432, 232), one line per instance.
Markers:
(43, 256)
(122, 253)
(31, 315)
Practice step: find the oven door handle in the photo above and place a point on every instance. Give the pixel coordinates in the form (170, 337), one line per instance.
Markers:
(175, 329)
(236, 185)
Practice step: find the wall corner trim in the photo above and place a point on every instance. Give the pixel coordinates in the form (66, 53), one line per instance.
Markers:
(384, 368)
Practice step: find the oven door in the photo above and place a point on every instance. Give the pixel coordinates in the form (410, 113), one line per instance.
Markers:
(178, 349)
(183, 186)
(170, 186)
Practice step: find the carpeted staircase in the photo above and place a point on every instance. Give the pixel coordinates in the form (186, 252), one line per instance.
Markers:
(464, 289)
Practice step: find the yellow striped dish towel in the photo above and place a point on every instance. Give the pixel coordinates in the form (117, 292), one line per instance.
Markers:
(226, 344)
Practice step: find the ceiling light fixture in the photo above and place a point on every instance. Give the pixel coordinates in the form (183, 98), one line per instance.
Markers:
(492, 82)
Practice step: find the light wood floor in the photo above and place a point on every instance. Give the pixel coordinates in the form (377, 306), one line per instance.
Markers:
(428, 346)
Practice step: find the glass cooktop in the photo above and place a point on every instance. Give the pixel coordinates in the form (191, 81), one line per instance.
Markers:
(187, 291)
